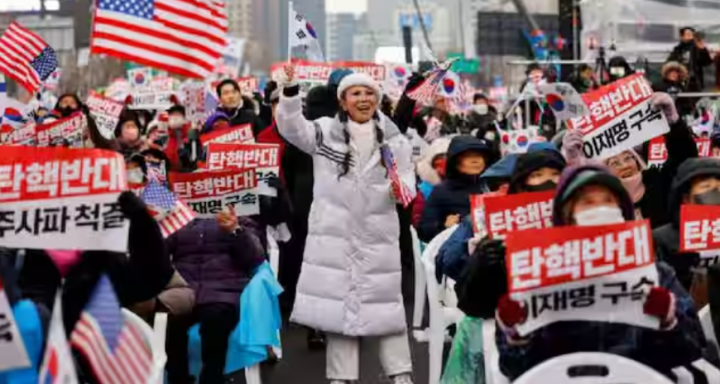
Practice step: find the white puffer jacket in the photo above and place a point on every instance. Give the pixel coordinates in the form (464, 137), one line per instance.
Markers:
(351, 274)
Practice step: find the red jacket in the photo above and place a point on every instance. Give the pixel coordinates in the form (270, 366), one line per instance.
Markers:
(418, 206)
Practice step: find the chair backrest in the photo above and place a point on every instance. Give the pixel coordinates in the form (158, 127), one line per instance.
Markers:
(159, 357)
(615, 369)
(707, 324)
(417, 247)
(274, 253)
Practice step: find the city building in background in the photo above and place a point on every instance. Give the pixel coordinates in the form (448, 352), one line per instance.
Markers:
(314, 12)
(341, 30)
(257, 21)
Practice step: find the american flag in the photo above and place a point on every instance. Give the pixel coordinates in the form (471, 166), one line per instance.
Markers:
(171, 213)
(157, 172)
(400, 190)
(427, 90)
(184, 37)
(114, 348)
(25, 57)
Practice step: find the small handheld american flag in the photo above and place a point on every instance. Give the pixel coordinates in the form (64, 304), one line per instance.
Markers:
(114, 349)
(425, 92)
(400, 190)
(171, 213)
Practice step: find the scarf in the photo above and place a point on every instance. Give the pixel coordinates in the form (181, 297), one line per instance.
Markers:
(362, 138)
(64, 260)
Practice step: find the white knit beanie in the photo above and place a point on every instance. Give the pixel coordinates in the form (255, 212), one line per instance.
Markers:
(359, 79)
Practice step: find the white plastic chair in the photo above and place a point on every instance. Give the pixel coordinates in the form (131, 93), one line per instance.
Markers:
(441, 316)
(491, 355)
(159, 357)
(420, 294)
(252, 374)
(707, 324)
(274, 253)
(620, 370)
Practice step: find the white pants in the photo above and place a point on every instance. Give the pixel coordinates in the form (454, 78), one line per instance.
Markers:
(343, 356)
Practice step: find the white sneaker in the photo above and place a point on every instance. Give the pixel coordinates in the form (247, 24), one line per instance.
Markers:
(404, 378)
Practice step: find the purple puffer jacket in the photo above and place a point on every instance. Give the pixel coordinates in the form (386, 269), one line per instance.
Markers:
(217, 265)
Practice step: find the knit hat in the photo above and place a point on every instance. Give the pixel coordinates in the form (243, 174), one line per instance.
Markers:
(126, 116)
(531, 162)
(575, 178)
(213, 119)
(689, 170)
(338, 75)
(358, 79)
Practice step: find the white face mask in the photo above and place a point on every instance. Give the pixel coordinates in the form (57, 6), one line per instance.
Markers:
(617, 71)
(599, 216)
(481, 109)
(135, 176)
(176, 122)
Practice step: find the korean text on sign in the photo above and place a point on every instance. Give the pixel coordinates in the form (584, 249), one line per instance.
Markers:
(699, 227)
(477, 207)
(621, 117)
(519, 212)
(106, 113)
(242, 134)
(657, 153)
(24, 135)
(60, 198)
(598, 273)
(65, 132)
(264, 158)
(208, 193)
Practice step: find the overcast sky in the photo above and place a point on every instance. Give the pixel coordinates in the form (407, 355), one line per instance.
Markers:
(356, 6)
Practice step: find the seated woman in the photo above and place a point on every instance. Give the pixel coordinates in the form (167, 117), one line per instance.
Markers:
(590, 195)
(217, 258)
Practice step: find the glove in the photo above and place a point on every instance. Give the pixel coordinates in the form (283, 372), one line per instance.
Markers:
(131, 205)
(274, 182)
(414, 81)
(285, 78)
(511, 313)
(663, 102)
(474, 242)
(270, 87)
(491, 251)
(660, 303)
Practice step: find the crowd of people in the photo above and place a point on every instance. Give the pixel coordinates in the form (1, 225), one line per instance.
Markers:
(342, 268)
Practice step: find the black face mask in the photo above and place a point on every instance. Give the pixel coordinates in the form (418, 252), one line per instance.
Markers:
(66, 111)
(546, 186)
(711, 197)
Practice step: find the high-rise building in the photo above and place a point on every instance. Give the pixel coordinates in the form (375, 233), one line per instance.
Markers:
(257, 22)
(314, 11)
(341, 29)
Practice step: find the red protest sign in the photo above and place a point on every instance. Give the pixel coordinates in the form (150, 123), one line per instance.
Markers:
(241, 134)
(65, 132)
(477, 207)
(226, 156)
(519, 212)
(62, 198)
(699, 227)
(376, 71)
(306, 70)
(554, 256)
(24, 135)
(621, 117)
(657, 153)
(208, 193)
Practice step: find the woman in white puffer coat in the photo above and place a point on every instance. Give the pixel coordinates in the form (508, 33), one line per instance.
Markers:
(350, 284)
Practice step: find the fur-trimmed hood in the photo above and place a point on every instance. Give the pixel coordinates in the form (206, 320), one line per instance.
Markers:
(424, 166)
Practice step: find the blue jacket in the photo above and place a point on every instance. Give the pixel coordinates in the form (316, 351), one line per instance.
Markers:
(453, 254)
(452, 196)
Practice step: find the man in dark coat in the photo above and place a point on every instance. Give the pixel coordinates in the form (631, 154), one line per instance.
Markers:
(236, 107)
(694, 55)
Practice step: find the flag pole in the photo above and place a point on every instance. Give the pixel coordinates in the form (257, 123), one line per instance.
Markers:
(291, 9)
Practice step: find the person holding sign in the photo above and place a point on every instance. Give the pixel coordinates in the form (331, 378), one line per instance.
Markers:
(647, 187)
(128, 134)
(350, 283)
(591, 196)
(696, 182)
(467, 158)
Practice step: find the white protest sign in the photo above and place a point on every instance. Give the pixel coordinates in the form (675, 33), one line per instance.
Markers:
(62, 198)
(66, 132)
(106, 113)
(264, 158)
(600, 274)
(208, 193)
(621, 117)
